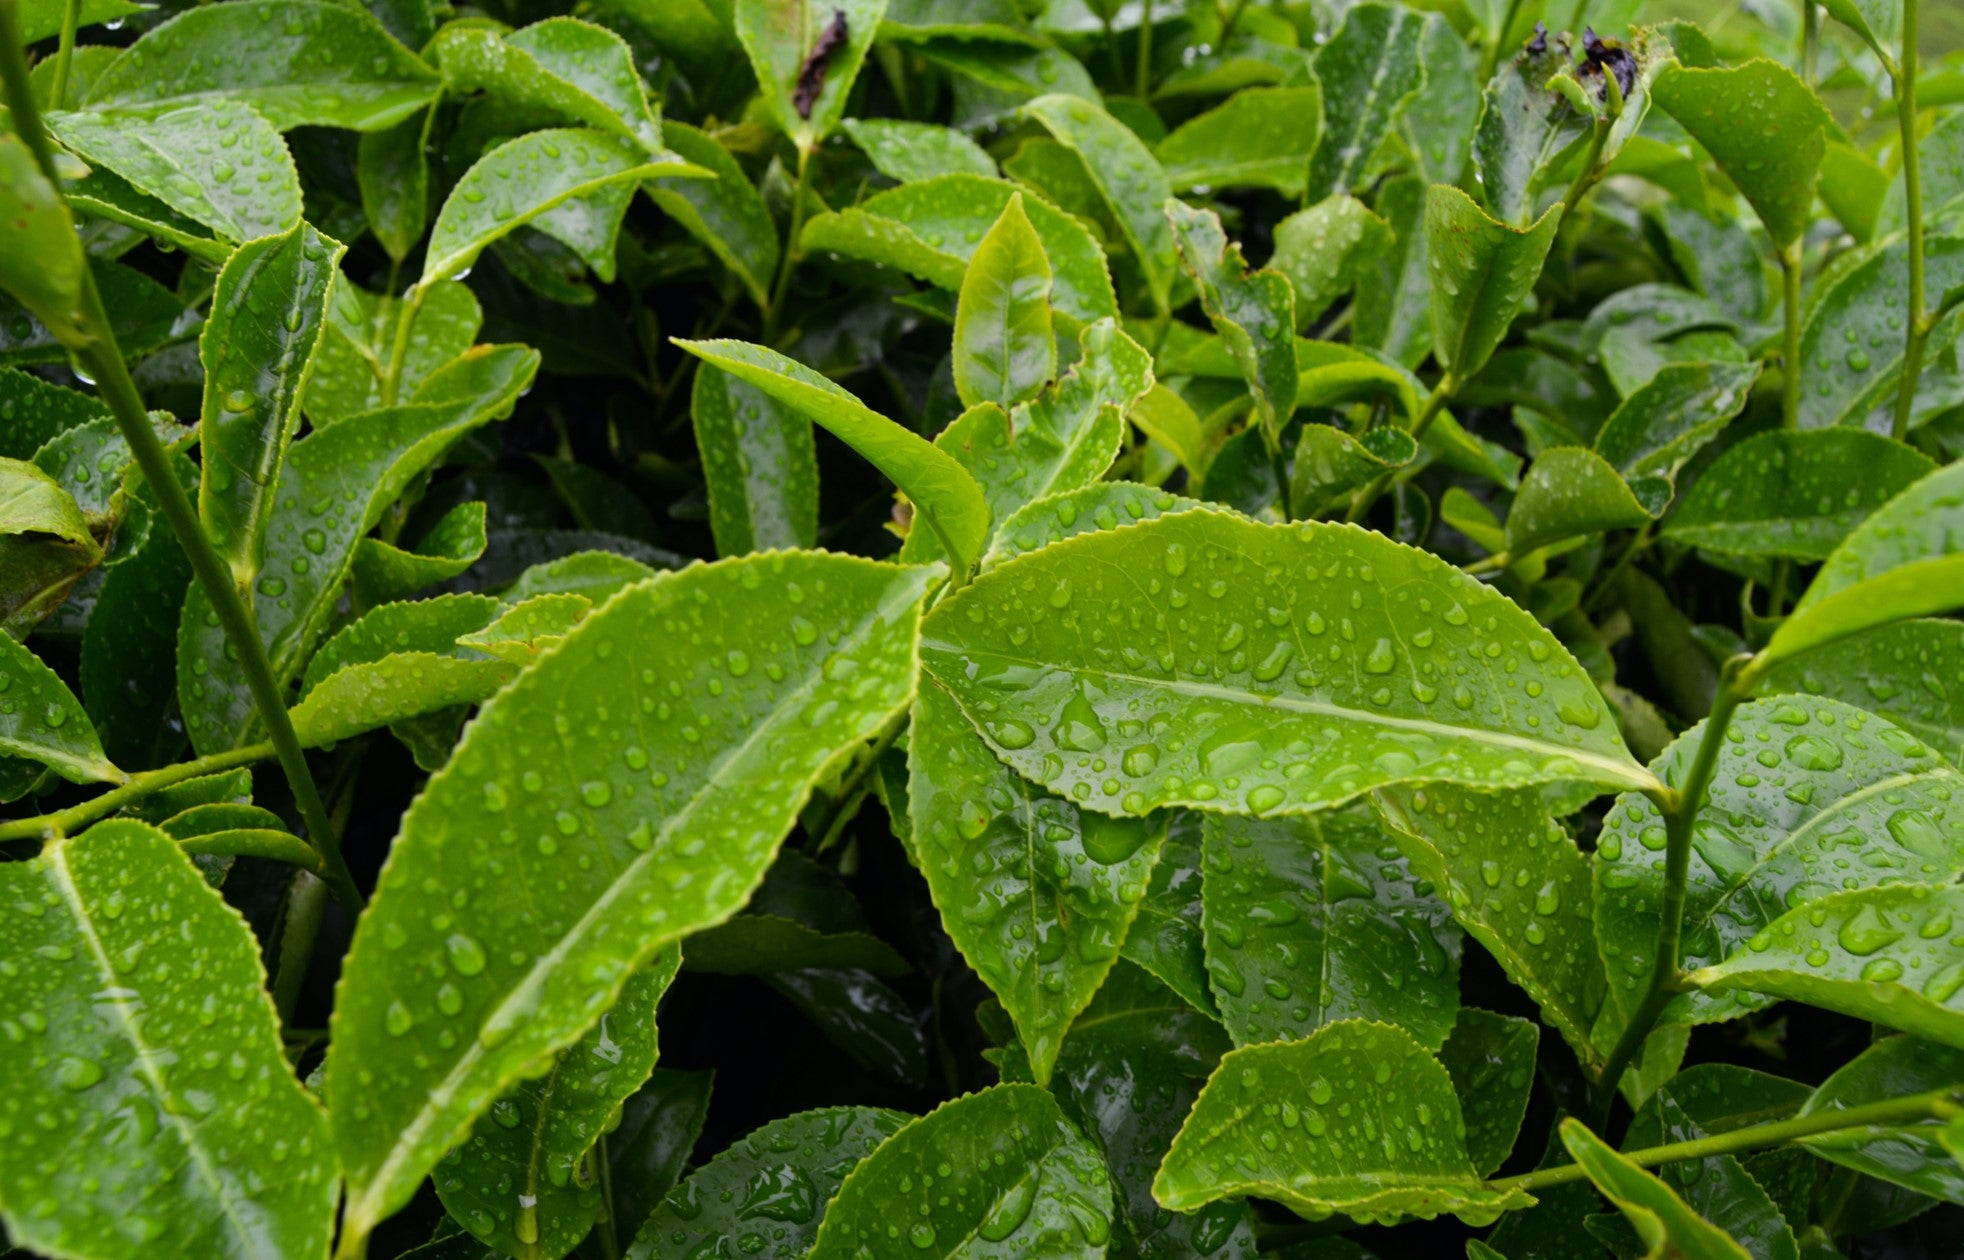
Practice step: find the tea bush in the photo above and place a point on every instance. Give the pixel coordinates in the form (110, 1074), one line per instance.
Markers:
(792, 537)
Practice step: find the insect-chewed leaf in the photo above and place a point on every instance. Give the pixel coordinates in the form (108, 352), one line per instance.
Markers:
(1481, 272)
(943, 492)
(759, 463)
(1906, 560)
(336, 483)
(1317, 919)
(1253, 311)
(41, 260)
(930, 229)
(1854, 356)
(1527, 131)
(1005, 350)
(1203, 659)
(267, 316)
(1516, 882)
(1889, 954)
(1793, 495)
(806, 54)
(1662, 1220)
(1571, 491)
(799, 1159)
(1100, 505)
(143, 1011)
(1357, 1119)
(1800, 785)
(1906, 672)
(581, 72)
(41, 719)
(1261, 137)
(1913, 1155)
(298, 62)
(1020, 1180)
(1036, 893)
(1764, 127)
(1665, 422)
(1326, 249)
(1128, 177)
(383, 571)
(1369, 69)
(517, 1183)
(907, 151)
(725, 213)
(699, 706)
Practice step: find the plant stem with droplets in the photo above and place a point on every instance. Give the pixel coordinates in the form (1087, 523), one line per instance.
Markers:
(66, 821)
(1919, 318)
(1680, 810)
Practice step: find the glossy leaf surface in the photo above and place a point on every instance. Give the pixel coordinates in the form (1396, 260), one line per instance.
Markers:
(759, 463)
(1004, 349)
(1793, 495)
(1253, 311)
(41, 720)
(1660, 1217)
(1660, 426)
(1259, 138)
(1326, 249)
(1570, 491)
(1765, 128)
(724, 213)
(1913, 1156)
(1854, 355)
(1905, 672)
(1129, 178)
(43, 259)
(806, 56)
(1491, 1060)
(1368, 70)
(1481, 272)
(907, 151)
(561, 66)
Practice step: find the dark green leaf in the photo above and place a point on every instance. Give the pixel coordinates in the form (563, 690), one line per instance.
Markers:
(1914, 1156)
(1491, 1060)
(759, 944)
(1907, 673)
(1763, 126)
(1326, 250)
(648, 1152)
(1661, 1219)
(1166, 937)
(40, 719)
(561, 67)
(724, 213)
(1852, 343)
(383, 571)
(1793, 495)
(759, 462)
(1369, 69)
(394, 172)
(1660, 426)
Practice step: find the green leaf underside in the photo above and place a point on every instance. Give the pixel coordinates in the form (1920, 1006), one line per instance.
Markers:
(144, 1010)
(1357, 1119)
(1909, 1155)
(1317, 919)
(1000, 1172)
(611, 856)
(1202, 659)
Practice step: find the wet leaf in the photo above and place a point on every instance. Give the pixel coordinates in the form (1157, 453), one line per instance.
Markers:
(1253, 311)
(1528, 130)
(1663, 1222)
(907, 151)
(1101, 505)
(1166, 937)
(1571, 492)
(1330, 465)
(806, 54)
(42, 263)
(1660, 426)
(1719, 1188)
(111, 1154)
(383, 571)
(1914, 1156)
(534, 974)
(724, 213)
(1004, 349)
(41, 720)
(561, 67)
(1128, 177)
(393, 169)
(1369, 70)
(1258, 138)
(1852, 343)
(1481, 272)
(1793, 495)
(760, 464)
(397, 663)
(1764, 127)
(1326, 250)
(1906, 672)
(40, 19)
(756, 944)
(1491, 1060)
(1357, 1119)
(352, 363)
(649, 1150)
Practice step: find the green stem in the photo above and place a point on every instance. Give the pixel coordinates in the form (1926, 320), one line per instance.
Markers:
(610, 1241)
(1680, 809)
(71, 17)
(105, 362)
(412, 305)
(1790, 347)
(1810, 38)
(1919, 317)
(67, 821)
(1490, 60)
(1142, 83)
(306, 903)
(1936, 1105)
(1227, 27)
(788, 261)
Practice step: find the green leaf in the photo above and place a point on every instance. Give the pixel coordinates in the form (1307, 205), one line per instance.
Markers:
(591, 880)
(41, 264)
(1799, 784)
(525, 629)
(353, 358)
(1527, 131)
(1515, 881)
(1128, 176)
(649, 1150)
(42, 721)
(1330, 465)
(1005, 350)
(1888, 954)
(1913, 1156)
(725, 213)
(1393, 305)
(1720, 1187)
(1571, 492)
(40, 19)
(907, 151)
(1357, 1119)
(1166, 937)
(1874, 20)
(393, 170)
(257, 347)
(1368, 70)
(297, 62)
(756, 944)
(930, 230)
(121, 925)
(943, 492)
(1317, 919)
(1021, 1180)
(1852, 351)
(1481, 271)
(1101, 505)
(1036, 893)
(549, 169)
(1258, 138)
(1661, 1219)
(217, 162)
(1434, 124)
(383, 571)
(806, 56)
(1253, 311)
(786, 1172)
(398, 662)
(128, 647)
(520, 1182)
(47, 545)
(1763, 126)
(1491, 1060)
(561, 67)
(1793, 495)
(1326, 250)
(1264, 721)
(1658, 428)
(336, 484)
(1905, 560)
(759, 462)
(37, 411)
(1906, 672)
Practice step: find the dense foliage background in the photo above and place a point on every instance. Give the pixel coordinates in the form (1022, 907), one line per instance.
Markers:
(1327, 618)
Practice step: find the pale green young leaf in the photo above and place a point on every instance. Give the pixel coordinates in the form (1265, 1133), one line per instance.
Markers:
(809, 1154)
(1658, 428)
(1662, 1220)
(1330, 465)
(806, 54)
(1101, 505)
(1253, 311)
(1570, 491)
(119, 1146)
(1005, 349)
(1793, 495)
(1369, 69)
(48, 543)
(1326, 250)
(1763, 126)
(1035, 892)
(41, 258)
(1128, 176)
(907, 151)
(267, 316)
(1913, 1155)
(562, 67)
(1023, 1181)
(524, 630)
(1908, 672)
(943, 492)
(1258, 138)
(1481, 271)
(42, 721)
(1167, 419)
(297, 62)
(1491, 1060)
(393, 170)
(1852, 341)
(725, 213)
(598, 832)
(353, 359)
(1307, 921)
(759, 463)
(383, 571)
(1314, 1153)
(1334, 644)
(1876, 21)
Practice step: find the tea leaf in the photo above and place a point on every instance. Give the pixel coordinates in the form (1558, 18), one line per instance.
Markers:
(759, 462)
(354, 352)
(1258, 138)
(1481, 272)
(1660, 1217)
(907, 151)
(42, 263)
(1569, 492)
(562, 67)
(1764, 127)
(399, 661)
(47, 545)
(649, 1150)
(1253, 311)
(1330, 465)
(1101, 505)
(1128, 177)
(1912, 1156)
(1368, 70)
(536, 969)
(724, 213)
(1852, 343)
(1326, 250)
(122, 924)
(1491, 1060)
(393, 170)
(1904, 672)
(1658, 428)
(756, 944)
(1288, 1121)
(1527, 132)
(1166, 937)
(43, 721)
(40, 19)
(383, 571)
(806, 54)
(1004, 348)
